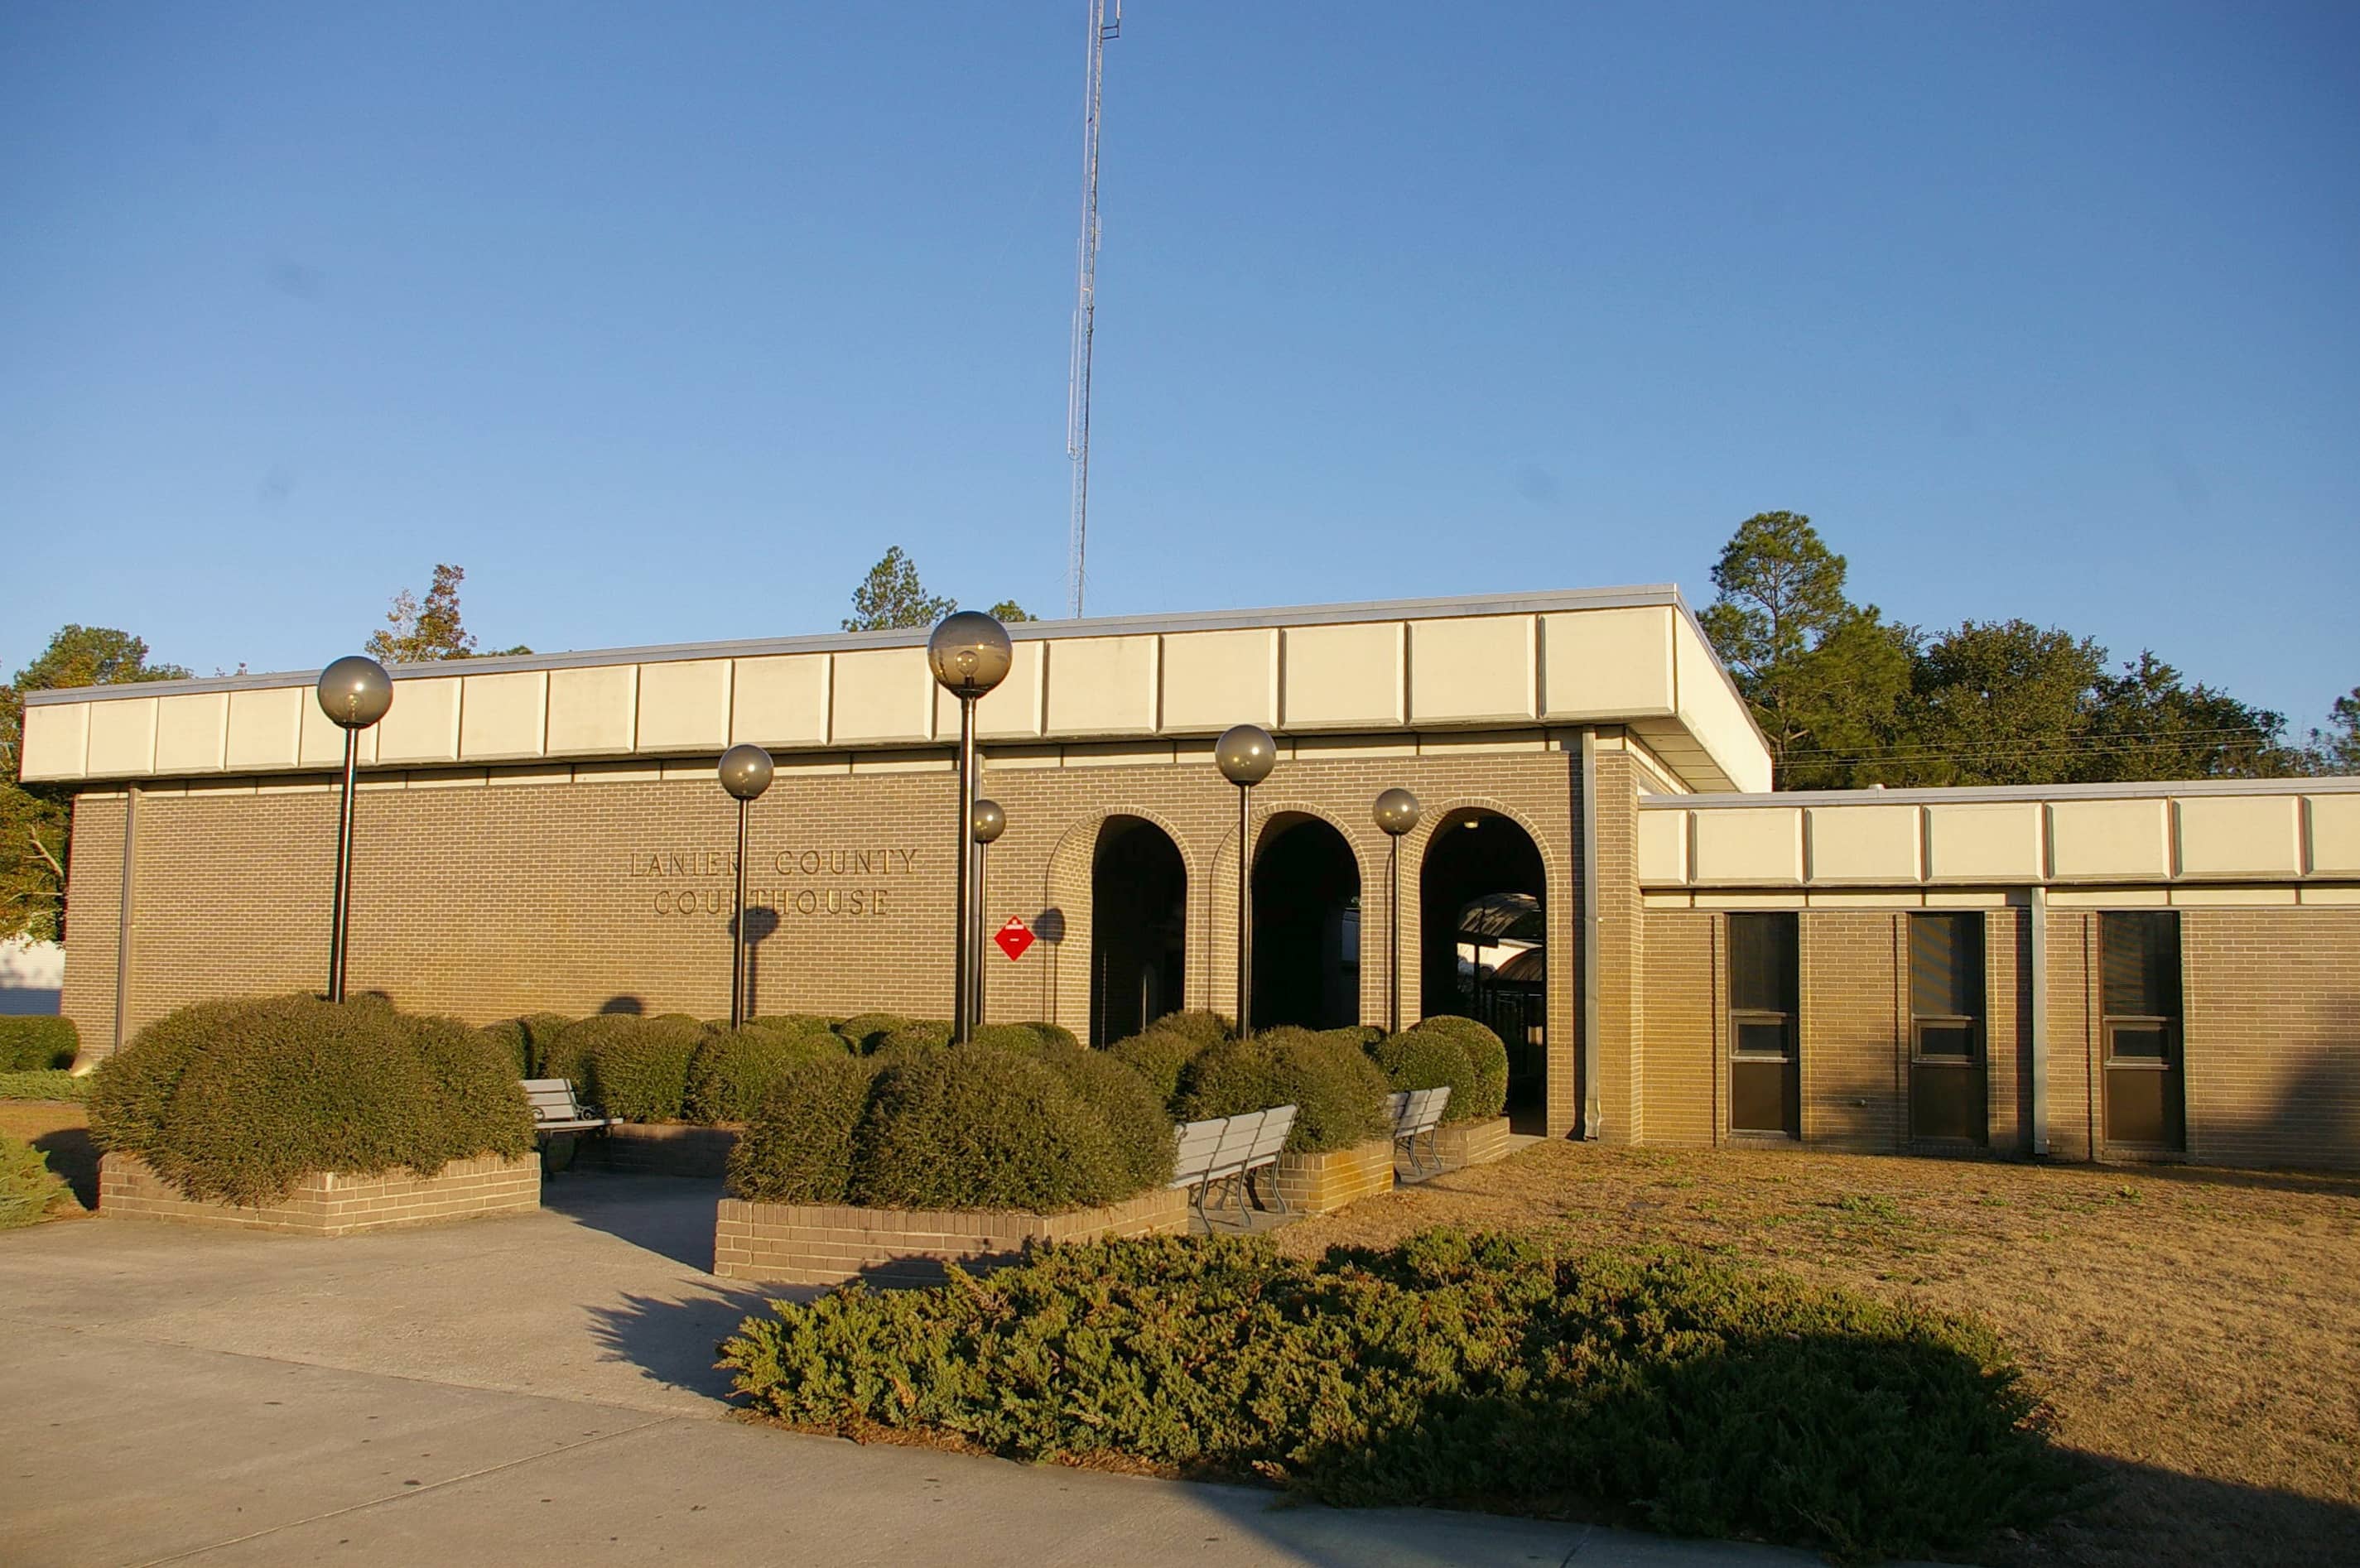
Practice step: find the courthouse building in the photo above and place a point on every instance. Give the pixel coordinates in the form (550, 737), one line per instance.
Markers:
(1677, 955)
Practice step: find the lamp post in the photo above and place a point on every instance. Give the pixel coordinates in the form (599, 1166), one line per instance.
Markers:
(985, 824)
(1396, 813)
(354, 692)
(1245, 754)
(969, 653)
(745, 774)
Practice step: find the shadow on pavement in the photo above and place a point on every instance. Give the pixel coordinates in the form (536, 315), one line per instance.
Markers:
(668, 1215)
(677, 1343)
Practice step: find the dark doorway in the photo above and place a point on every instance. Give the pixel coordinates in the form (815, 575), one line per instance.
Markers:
(1481, 956)
(1306, 930)
(1139, 924)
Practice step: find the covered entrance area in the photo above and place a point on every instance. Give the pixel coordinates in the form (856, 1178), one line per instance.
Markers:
(1482, 949)
(1306, 929)
(1139, 924)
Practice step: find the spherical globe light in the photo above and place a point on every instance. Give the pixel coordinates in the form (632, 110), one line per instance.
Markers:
(746, 772)
(969, 653)
(355, 691)
(988, 822)
(1245, 754)
(1397, 812)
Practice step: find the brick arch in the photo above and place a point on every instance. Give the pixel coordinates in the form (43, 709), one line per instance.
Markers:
(1065, 888)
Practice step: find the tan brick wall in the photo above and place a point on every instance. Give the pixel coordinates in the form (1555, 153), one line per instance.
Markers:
(327, 1204)
(1462, 1144)
(1322, 1183)
(1853, 1028)
(797, 1244)
(1621, 973)
(1680, 1051)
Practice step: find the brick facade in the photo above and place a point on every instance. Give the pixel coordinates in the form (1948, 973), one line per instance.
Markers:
(331, 1204)
(826, 1245)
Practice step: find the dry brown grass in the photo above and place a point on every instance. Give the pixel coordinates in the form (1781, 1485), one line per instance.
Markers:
(2197, 1333)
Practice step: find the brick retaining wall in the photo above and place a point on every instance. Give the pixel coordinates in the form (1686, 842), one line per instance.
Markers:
(1322, 1183)
(1462, 1144)
(827, 1243)
(662, 1149)
(325, 1203)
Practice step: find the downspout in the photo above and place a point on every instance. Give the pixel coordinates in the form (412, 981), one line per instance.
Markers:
(2038, 1095)
(1591, 925)
(123, 917)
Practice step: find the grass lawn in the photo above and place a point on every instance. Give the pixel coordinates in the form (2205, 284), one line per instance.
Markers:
(2197, 1333)
(60, 1130)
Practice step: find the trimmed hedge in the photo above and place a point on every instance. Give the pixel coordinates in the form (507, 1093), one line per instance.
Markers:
(30, 1190)
(630, 1066)
(1484, 1049)
(1338, 1092)
(238, 1101)
(1424, 1057)
(863, 1031)
(798, 1145)
(1672, 1389)
(1160, 1057)
(1045, 1129)
(733, 1073)
(54, 1084)
(912, 1037)
(37, 1044)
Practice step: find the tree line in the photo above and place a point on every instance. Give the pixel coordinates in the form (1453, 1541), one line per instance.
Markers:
(1847, 698)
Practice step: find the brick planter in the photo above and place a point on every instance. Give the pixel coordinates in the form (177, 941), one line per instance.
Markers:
(818, 1243)
(324, 1203)
(1462, 1144)
(660, 1149)
(1322, 1183)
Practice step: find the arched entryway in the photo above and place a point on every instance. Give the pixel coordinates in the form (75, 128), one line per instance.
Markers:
(1306, 929)
(1483, 951)
(1139, 925)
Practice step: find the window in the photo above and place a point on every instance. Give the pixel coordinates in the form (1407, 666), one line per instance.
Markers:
(1765, 997)
(2139, 984)
(1946, 1027)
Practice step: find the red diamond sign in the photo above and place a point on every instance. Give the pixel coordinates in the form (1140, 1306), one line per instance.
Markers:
(1014, 938)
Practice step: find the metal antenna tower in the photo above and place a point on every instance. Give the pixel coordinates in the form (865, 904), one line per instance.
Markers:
(1086, 303)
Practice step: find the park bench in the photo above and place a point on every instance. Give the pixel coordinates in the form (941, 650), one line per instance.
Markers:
(558, 1111)
(1230, 1149)
(1417, 1113)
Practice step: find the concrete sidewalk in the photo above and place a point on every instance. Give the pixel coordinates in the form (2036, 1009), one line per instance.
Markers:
(543, 1387)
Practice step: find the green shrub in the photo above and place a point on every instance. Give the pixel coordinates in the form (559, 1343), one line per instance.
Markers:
(732, 1073)
(37, 1044)
(864, 1031)
(982, 1128)
(30, 1190)
(1338, 1092)
(628, 1065)
(1434, 1059)
(54, 1084)
(797, 1147)
(1159, 1057)
(1199, 1028)
(1673, 1389)
(911, 1038)
(1133, 1111)
(238, 1101)
(1484, 1051)
(508, 1038)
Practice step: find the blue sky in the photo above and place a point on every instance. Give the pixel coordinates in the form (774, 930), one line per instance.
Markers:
(665, 322)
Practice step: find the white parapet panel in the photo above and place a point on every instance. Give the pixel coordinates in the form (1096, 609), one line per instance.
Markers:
(2334, 835)
(684, 705)
(1101, 686)
(1606, 664)
(593, 710)
(503, 718)
(1996, 841)
(423, 725)
(779, 703)
(191, 733)
(1749, 844)
(1865, 844)
(1662, 847)
(122, 736)
(1712, 713)
(1009, 710)
(1214, 680)
(1343, 677)
(320, 742)
(1474, 669)
(265, 729)
(2114, 840)
(56, 742)
(2240, 836)
(884, 696)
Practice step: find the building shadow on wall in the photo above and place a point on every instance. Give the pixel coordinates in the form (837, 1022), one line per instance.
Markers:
(628, 1006)
(761, 923)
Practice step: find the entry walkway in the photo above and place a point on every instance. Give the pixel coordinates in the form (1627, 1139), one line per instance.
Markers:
(542, 1388)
